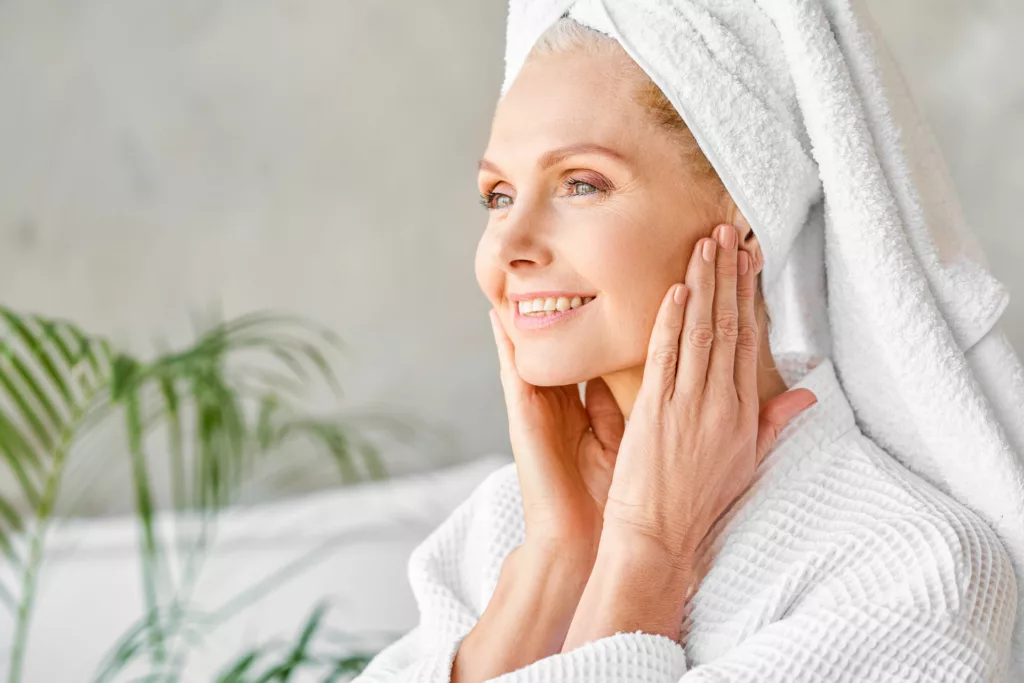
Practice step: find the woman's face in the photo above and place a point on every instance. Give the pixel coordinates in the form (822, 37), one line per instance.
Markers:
(566, 217)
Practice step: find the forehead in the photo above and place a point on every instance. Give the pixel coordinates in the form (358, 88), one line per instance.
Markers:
(567, 96)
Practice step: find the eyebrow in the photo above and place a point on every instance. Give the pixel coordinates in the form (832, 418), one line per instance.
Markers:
(554, 156)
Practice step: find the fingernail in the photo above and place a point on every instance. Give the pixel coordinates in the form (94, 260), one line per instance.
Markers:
(709, 251)
(727, 236)
(741, 263)
(679, 295)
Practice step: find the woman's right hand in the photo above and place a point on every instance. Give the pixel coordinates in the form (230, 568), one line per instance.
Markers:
(564, 451)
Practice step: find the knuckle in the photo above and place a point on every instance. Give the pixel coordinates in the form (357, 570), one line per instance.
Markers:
(727, 267)
(746, 339)
(772, 431)
(727, 325)
(701, 336)
(664, 357)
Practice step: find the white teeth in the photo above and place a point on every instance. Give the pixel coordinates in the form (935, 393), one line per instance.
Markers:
(547, 305)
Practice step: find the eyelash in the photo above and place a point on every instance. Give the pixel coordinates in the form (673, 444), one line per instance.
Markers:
(487, 199)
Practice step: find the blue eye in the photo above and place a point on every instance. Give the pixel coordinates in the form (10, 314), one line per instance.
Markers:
(488, 199)
(571, 183)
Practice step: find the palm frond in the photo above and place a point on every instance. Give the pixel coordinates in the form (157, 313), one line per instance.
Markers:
(301, 657)
(44, 394)
(222, 404)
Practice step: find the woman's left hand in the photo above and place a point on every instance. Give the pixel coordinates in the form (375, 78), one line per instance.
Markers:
(697, 434)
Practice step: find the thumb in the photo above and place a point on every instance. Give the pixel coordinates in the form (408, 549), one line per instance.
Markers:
(510, 379)
(777, 414)
(606, 419)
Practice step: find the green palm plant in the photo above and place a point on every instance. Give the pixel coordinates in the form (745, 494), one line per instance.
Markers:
(223, 403)
(278, 665)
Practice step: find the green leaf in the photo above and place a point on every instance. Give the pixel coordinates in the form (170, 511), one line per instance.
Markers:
(25, 411)
(144, 508)
(13, 525)
(243, 666)
(176, 439)
(42, 399)
(17, 452)
(299, 653)
(349, 665)
(40, 353)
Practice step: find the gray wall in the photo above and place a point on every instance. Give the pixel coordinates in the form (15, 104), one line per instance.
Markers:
(319, 156)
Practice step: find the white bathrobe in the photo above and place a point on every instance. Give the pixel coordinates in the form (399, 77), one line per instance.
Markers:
(837, 564)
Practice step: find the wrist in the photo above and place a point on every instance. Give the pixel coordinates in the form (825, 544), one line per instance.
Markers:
(628, 552)
(577, 539)
(634, 585)
(543, 562)
(532, 606)
(671, 547)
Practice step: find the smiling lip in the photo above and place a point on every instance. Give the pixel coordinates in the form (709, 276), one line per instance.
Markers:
(550, 294)
(529, 322)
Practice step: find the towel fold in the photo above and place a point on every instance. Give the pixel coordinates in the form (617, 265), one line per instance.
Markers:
(800, 107)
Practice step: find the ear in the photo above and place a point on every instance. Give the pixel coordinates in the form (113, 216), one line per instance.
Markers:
(748, 240)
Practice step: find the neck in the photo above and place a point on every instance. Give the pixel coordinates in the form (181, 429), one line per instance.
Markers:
(625, 384)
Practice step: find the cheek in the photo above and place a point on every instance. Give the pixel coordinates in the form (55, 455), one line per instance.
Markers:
(631, 271)
(632, 267)
(638, 266)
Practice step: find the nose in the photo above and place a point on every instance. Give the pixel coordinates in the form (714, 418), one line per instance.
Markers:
(520, 243)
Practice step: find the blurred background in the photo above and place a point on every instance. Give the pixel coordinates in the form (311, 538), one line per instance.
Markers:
(221, 156)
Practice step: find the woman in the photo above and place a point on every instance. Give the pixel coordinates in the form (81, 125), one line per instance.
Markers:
(741, 526)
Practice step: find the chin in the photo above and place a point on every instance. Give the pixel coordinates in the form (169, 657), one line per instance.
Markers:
(551, 371)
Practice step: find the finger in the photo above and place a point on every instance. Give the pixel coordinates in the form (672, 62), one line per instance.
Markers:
(697, 331)
(747, 341)
(510, 380)
(606, 418)
(721, 366)
(663, 349)
(776, 415)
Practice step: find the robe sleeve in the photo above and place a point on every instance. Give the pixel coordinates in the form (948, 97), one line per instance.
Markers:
(846, 642)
